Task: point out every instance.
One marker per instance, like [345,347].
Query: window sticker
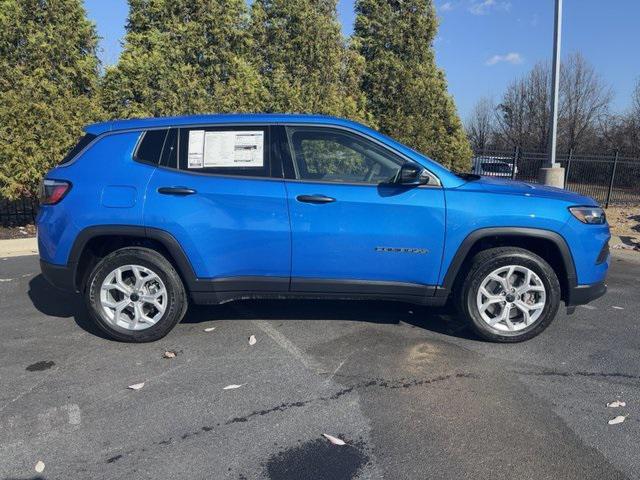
[240,149]
[196,149]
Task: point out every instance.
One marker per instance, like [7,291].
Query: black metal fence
[610,179]
[15,213]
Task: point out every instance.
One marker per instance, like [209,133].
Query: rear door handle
[315,199]
[176,191]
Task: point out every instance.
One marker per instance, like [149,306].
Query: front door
[353,230]
[217,192]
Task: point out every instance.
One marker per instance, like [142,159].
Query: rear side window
[82,143]
[150,147]
[237,150]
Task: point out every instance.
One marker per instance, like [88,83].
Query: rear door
[221,195]
[352,229]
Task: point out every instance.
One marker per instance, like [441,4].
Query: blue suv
[144,216]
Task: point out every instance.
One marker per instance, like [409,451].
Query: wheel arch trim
[185,269]
[505,232]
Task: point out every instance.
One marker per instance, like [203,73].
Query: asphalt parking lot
[411,391]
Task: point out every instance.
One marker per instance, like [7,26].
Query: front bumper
[582,294]
[60,276]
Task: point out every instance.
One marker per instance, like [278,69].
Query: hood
[511,187]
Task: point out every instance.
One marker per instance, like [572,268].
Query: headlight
[592,215]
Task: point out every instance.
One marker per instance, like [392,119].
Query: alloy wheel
[511,298]
[133,297]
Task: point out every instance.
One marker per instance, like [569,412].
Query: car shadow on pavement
[57,303]
[436,319]
[25,478]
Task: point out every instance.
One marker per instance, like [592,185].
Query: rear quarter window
[150,147]
[84,141]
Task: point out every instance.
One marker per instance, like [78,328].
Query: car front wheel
[509,294]
[135,295]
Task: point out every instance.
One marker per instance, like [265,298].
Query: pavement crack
[280,408]
[560,373]
[369,383]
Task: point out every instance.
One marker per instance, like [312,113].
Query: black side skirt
[211,292]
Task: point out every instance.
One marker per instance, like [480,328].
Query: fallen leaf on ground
[40,466]
[623,246]
[136,386]
[252,340]
[618,419]
[616,404]
[169,354]
[209,329]
[334,440]
[232,386]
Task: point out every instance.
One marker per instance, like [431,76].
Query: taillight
[52,191]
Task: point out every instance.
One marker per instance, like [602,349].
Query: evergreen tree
[406,93]
[48,80]
[304,59]
[183,56]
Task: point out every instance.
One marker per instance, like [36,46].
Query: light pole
[552,173]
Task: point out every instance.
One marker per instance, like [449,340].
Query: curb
[18,247]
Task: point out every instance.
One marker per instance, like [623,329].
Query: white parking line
[17,278]
[588,307]
[73,409]
[286,344]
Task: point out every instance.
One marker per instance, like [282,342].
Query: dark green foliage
[183,56]
[187,56]
[304,60]
[48,80]
[406,92]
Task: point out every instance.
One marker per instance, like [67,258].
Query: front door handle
[176,191]
[315,199]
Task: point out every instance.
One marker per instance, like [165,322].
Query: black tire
[177,301]
[490,260]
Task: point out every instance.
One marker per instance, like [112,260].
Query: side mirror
[412,174]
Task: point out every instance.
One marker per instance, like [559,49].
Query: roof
[274,118]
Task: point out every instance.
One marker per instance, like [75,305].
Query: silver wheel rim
[511,298]
[133,297]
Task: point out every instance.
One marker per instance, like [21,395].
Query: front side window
[331,155]
[224,151]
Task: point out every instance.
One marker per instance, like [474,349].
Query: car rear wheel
[509,294]
[135,295]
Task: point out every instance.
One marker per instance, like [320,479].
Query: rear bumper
[60,276]
[582,294]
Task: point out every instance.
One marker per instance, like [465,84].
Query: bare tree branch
[480,125]
[584,100]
